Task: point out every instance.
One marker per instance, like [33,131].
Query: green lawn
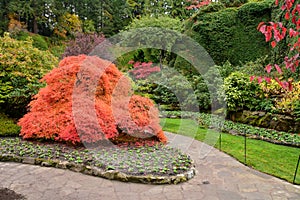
[277,160]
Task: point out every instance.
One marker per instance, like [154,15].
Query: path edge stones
[108,174]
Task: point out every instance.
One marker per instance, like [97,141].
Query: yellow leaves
[284,99]
[68,24]
[21,67]
[14,25]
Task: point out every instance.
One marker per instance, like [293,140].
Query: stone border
[95,171]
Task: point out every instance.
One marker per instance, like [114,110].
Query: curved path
[219,177]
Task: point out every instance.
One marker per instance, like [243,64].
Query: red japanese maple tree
[142,70]
[277,31]
[56,113]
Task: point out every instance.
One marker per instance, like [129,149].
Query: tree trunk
[35,26]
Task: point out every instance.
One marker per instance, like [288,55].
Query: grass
[273,159]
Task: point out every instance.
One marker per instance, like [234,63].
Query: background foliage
[22,66]
[230,33]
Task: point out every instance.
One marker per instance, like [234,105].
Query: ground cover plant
[157,160]
[204,120]
[8,127]
[273,159]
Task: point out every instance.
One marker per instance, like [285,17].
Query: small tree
[147,26]
[83,43]
[122,118]
[68,24]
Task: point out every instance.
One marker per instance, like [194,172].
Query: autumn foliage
[276,32]
[142,70]
[87,100]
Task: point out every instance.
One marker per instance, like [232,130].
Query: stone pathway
[219,177]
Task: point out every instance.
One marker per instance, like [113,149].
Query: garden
[63,105]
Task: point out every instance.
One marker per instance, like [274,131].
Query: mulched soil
[7,194]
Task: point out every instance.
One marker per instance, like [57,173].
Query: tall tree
[34,13]
[3,15]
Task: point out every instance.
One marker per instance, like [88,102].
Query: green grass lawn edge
[277,160]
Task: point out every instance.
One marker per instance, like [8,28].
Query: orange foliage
[14,25]
[87,99]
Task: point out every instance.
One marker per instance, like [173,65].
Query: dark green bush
[297,110]
[38,41]
[231,34]
[8,127]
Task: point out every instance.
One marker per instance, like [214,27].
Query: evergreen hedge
[231,33]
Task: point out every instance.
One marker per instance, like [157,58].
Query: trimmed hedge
[230,33]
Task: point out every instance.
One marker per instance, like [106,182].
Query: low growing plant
[8,127]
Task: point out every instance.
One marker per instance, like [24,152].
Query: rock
[88,170]
[121,177]
[76,167]
[109,174]
[97,171]
[179,178]
[266,120]
[46,164]
[190,174]
[28,160]
[62,164]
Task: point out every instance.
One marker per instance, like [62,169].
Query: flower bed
[158,164]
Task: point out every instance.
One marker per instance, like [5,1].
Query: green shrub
[231,34]
[38,41]
[21,66]
[256,67]
[240,93]
[206,87]
[297,110]
[233,3]
[8,127]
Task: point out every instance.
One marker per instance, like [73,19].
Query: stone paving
[219,177]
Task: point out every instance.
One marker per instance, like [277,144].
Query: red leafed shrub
[83,43]
[143,70]
[286,31]
[87,99]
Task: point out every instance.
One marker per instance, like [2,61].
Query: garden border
[200,118]
[95,171]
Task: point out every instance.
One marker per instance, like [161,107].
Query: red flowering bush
[87,99]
